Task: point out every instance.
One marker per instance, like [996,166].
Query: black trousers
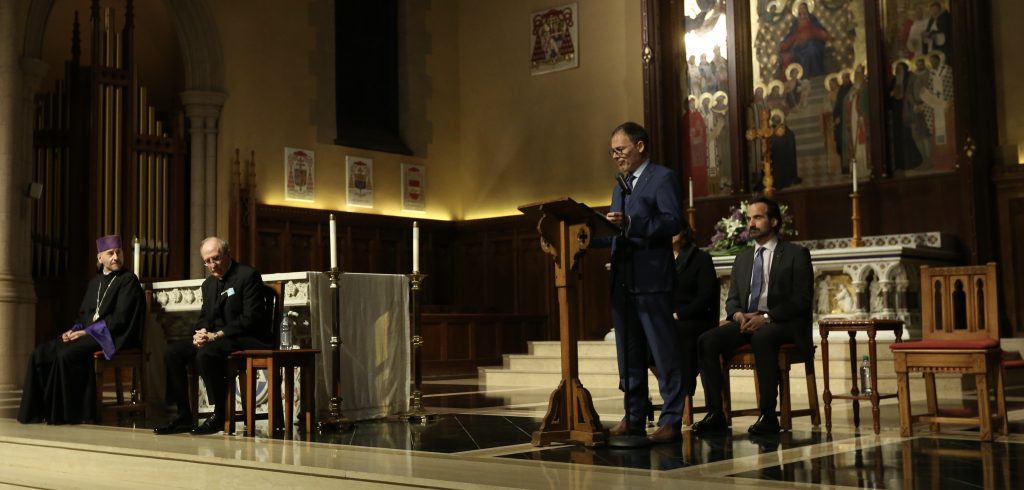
[723,341]
[210,360]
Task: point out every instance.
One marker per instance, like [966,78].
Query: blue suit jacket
[654,217]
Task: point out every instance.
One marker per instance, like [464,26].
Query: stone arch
[201,51]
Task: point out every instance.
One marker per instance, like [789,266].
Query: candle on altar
[136,256]
[853,165]
[691,192]
[415,247]
[334,243]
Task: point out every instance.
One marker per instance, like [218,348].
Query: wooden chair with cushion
[246,363]
[133,358]
[789,354]
[960,335]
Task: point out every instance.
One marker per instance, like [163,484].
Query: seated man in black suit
[769,304]
[234,317]
[695,300]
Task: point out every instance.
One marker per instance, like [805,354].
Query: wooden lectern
[566,229]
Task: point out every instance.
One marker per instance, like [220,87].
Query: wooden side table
[851,326]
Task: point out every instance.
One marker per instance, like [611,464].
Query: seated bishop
[60,384]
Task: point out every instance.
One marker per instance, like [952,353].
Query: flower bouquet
[732,235]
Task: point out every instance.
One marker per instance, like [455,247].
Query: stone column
[203,111]
[19,77]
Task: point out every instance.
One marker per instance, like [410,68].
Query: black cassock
[60,384]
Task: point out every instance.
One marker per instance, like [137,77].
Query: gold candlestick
[691,216]
[855,219]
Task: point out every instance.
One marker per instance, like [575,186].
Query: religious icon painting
[704,86]
[359,176]
[920,121]
[554,40]
[413,187]
[299,179]
[810,78]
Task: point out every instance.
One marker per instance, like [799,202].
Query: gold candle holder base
[856,241]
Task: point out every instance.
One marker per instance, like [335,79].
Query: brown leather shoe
[620,430]
[624,428]
[667,433]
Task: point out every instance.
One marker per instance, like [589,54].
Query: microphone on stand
[621,179]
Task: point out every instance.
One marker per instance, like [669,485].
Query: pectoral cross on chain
[765,132]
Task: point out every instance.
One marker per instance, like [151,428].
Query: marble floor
[479,436]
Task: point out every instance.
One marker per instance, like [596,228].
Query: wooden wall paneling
[361,250]
[270,242]
[501,286]
[433,351]
[459,341]
[296,256]
[472,272]
[487,340]
[387,257]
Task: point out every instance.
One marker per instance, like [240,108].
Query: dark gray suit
[790,297]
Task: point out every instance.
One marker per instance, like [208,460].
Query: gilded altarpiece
[807,63]
[810,73]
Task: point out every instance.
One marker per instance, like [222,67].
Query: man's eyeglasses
[618,151]
[216,259]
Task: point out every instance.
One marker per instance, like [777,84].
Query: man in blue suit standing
[642,275]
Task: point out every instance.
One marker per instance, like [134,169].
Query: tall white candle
[853,165]
[415,247]
[334,243]
[136,256]
[691,192]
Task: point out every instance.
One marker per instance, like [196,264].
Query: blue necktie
[756,280]
[631,180]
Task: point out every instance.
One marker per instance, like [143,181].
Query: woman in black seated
[695,297]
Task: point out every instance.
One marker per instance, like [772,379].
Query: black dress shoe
[765,425]
[712,422]
[176,425]
[212,425]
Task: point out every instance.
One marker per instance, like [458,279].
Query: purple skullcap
[108,242]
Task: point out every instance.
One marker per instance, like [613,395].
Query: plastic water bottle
[865,376]
[286,331]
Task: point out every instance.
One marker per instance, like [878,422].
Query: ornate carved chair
[246,363]
[133,358]
[960,335]
[789,354]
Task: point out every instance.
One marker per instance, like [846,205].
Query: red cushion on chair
[946,344]
[1015,363]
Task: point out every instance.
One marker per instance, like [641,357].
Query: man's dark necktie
[631,180]
[756,280]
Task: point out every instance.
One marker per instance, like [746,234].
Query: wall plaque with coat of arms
[554,40]
[299,179]
[359,176]
[413,187]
